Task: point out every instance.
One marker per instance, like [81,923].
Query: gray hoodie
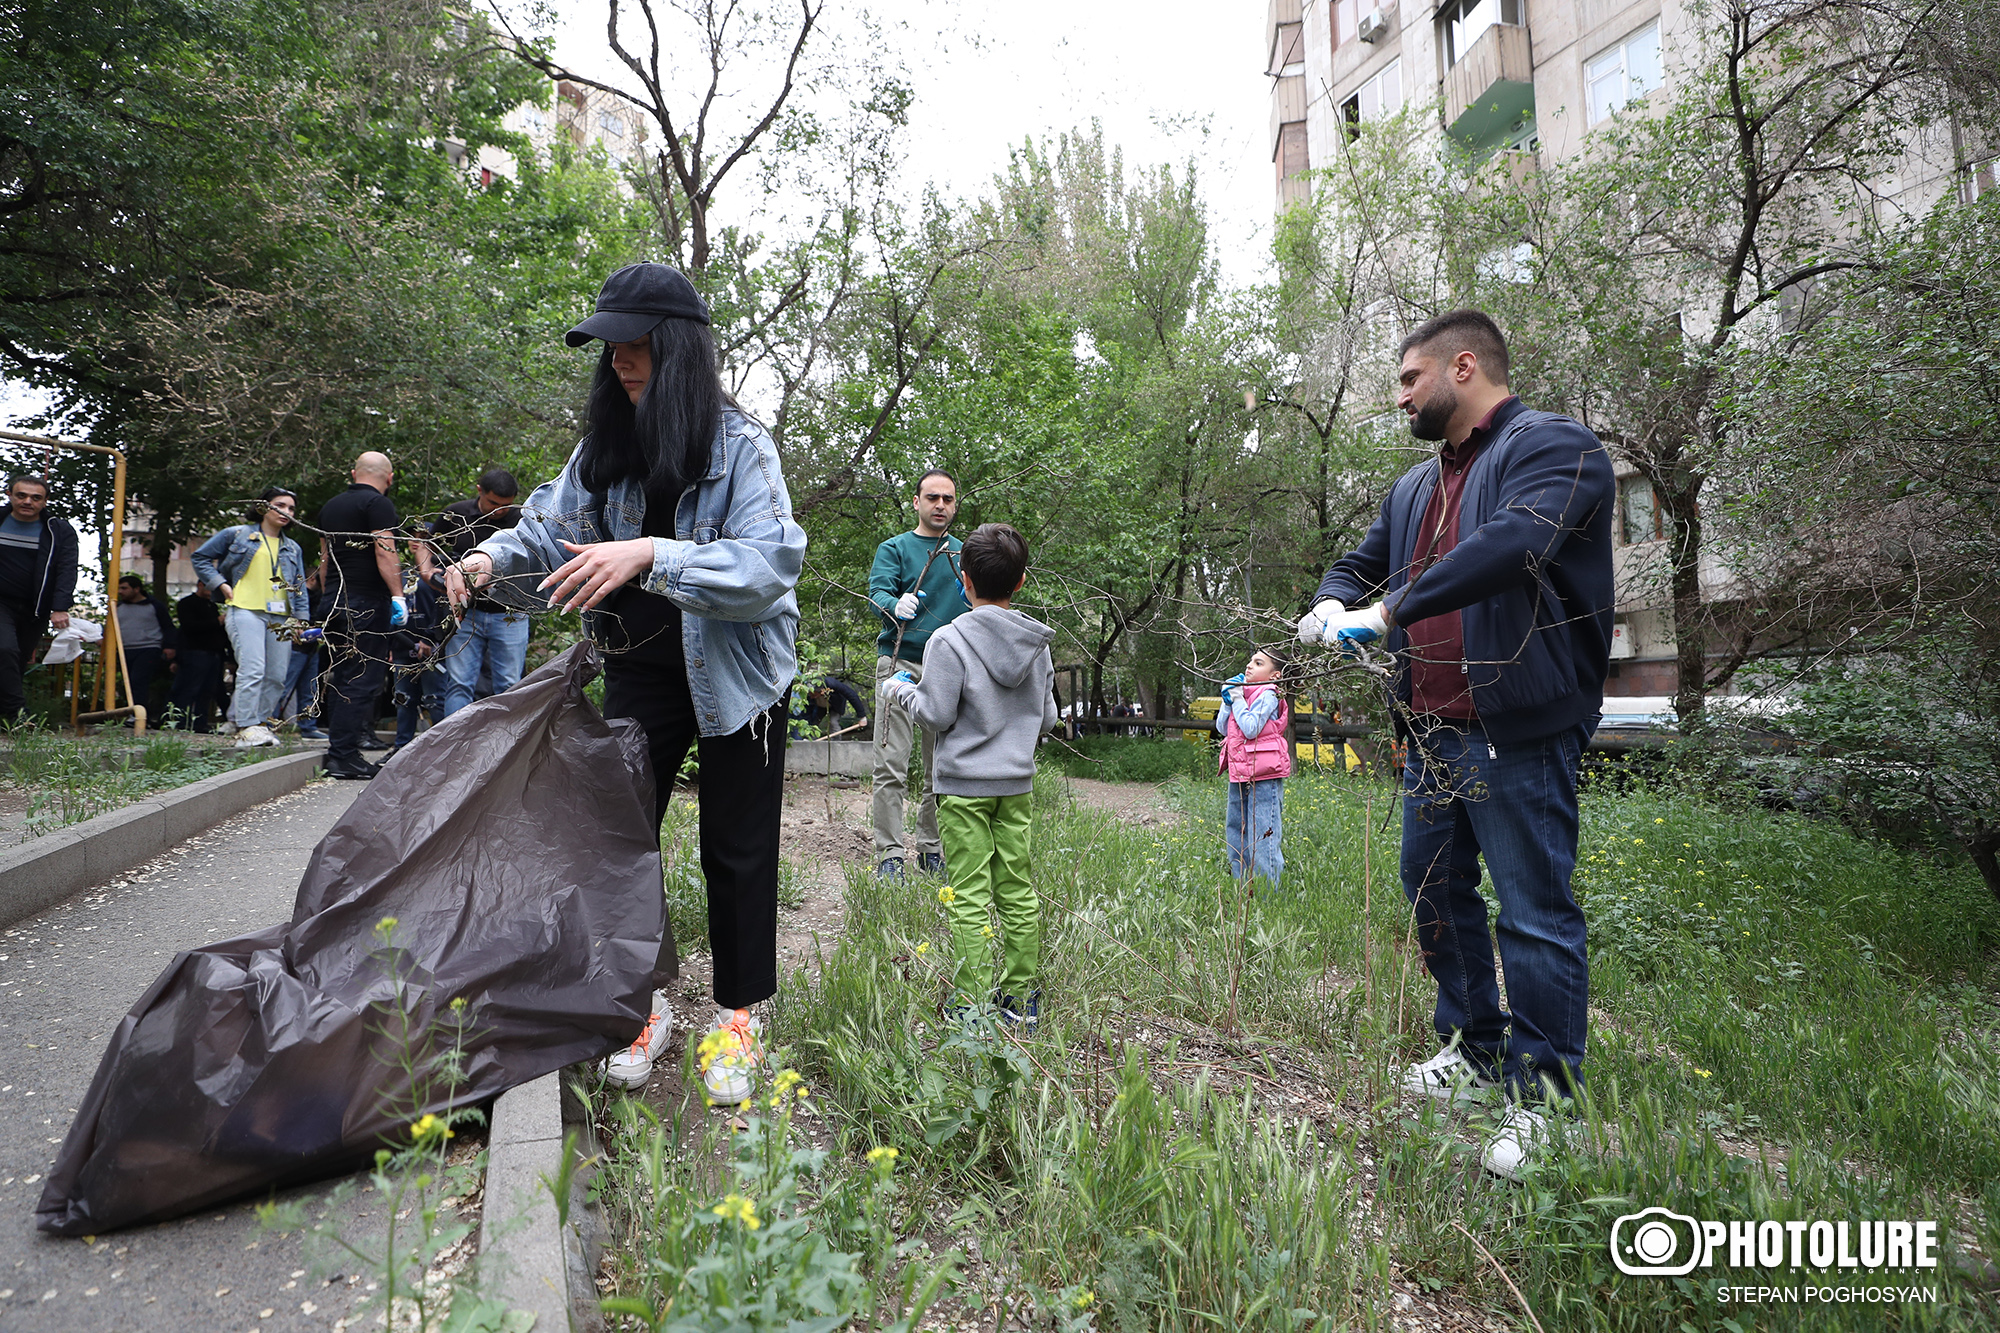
[988,693]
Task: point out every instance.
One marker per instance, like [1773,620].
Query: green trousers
[987,844]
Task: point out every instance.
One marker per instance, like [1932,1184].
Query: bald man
[361,573]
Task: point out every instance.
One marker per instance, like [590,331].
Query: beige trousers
[895,731]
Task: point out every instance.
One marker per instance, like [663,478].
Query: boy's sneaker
[309,730]
[254,737]
[932,863]
[1510,1153]
[1449,1077]
[631,1067]
[730,1055]
[1023,1015]
[891,869]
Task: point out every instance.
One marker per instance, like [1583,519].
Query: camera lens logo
[1655,1242]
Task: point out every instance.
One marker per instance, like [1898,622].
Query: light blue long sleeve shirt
[1250,717]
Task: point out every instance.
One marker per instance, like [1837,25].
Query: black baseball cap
[634,301]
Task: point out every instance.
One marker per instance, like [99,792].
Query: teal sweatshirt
[898,561]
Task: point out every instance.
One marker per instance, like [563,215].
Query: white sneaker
[1449,1077]
[255,736]
[1523,1134]
[730,1055]
[631,1067]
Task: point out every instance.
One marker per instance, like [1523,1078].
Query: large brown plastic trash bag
[514,844]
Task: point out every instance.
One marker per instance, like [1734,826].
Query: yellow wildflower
[736,1208]
[923,948]
[945,895]
[429,1129]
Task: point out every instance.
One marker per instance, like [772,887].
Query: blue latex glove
[904,677]
[399,613]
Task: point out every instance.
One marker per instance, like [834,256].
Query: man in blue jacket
[1488,576]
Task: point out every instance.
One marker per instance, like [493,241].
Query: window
[1640,516]
[1626,72]
[1381,95]
[612,126]
[1288,49]
[1346,15]
[1460,23]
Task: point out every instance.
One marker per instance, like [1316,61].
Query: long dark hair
[664,440]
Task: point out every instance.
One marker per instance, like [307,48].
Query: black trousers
[357,632]
[20,634]
[144,664]
[742,802]
[197,682]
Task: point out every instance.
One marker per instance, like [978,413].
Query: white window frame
[1609,85]
[1367,102]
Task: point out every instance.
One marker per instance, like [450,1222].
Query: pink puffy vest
[1269,755]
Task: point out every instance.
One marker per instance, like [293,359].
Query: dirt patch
[1143,804]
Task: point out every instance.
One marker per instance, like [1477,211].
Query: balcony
[1491,91]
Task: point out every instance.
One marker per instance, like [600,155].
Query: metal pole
[114,648]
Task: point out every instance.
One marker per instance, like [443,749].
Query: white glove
[906,606]
[1351,631]
[399,613]
[1312,625]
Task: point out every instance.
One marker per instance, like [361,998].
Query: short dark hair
[499,481]
[938,472]
[1470,331]
[30,478]
[133,579]
[1280,657]
[254,511]
[994,559]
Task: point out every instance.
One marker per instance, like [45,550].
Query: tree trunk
[1985,853]
[1690,627]
[162,552]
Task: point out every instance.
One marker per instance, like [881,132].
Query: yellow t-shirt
[259,586]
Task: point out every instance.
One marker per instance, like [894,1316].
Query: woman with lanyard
[258,575]
[671,529]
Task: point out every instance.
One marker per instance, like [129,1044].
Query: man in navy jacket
[37,582]
[1488,576]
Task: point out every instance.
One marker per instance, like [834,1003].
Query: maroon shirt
[1439,685]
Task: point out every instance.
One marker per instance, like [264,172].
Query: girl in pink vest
[1257,756]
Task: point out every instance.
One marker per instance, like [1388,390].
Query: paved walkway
[66,978]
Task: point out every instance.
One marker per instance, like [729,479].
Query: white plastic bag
[69,641]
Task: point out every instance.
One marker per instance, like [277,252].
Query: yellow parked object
[1329,755]
[1207,708]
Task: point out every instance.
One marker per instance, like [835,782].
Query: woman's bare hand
[597,571]
[465,578]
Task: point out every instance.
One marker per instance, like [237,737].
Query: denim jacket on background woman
[731,566]
[224,557]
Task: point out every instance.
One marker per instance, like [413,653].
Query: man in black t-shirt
[490,635]
[198,666]
[364,580]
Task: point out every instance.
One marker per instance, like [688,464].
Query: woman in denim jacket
[257,575]
[671,529]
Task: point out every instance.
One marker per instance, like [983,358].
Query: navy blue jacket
[1531,573]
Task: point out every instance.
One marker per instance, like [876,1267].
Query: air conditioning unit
[1374,26]
[1621,640]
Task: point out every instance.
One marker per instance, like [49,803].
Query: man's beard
[1431,419]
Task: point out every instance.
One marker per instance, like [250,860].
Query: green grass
[1790,1022]
[67,780]
[1132,758]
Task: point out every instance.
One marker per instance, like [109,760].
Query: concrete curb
[844,759]
[527,1257]
[37,875]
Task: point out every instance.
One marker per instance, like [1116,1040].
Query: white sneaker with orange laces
[631,1067]
[730,1055]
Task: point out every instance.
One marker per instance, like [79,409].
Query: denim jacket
[731,566]
[223,558]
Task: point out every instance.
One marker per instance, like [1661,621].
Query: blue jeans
[414,691]
[1464,795]
[262,659]
[301,694]
[1255,828]
[499,640]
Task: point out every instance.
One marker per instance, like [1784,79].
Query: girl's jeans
[1256,829]
[262,658]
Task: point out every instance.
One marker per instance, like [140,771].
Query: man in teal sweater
[915,584]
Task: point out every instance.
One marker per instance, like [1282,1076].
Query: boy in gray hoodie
[988,695]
